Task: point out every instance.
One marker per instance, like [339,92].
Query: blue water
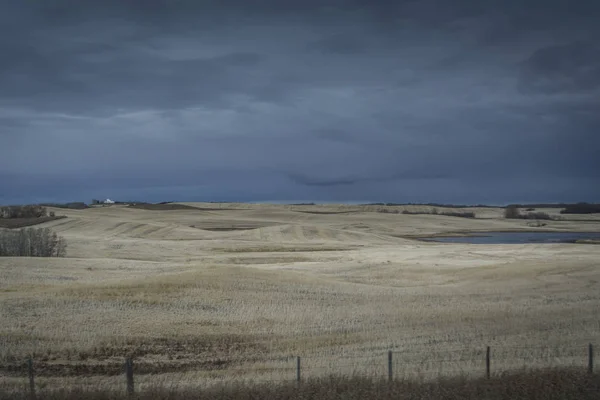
[519,237]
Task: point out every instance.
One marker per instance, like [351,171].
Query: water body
[519,237]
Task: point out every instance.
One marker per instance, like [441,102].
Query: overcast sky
[468,101]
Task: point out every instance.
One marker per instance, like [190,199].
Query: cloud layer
[474,101]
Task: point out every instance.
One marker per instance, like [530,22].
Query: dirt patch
[15,223]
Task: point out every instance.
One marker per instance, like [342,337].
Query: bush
[388,211]
[32,242]
[512,212]
[537,215]
[467,214]
[536,224]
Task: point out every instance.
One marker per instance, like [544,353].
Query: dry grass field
[13,223]
[223,292]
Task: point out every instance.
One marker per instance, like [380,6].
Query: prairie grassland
[564,384]
[339,288]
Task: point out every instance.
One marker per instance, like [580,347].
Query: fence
[484,362]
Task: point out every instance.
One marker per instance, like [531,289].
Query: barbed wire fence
[392,365]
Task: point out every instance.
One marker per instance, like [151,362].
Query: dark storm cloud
[572,67]
[353,180]
[408,100]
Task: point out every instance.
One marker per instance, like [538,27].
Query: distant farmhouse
[96,202]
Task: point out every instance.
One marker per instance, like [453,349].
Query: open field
[15,223]
[215,292]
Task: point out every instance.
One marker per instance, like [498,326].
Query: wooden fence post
[591,359]
[298,375]
[390,367]
[129,375]
[487,362]
[31,378]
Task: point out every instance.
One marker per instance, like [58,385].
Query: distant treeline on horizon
[567,208]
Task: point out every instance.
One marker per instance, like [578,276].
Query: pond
[518,237]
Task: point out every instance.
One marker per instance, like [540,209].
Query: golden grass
[193,305]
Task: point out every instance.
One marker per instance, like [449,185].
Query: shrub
[537,215]
[388,211]
[536,224]
[32,242]
[467,214]
[512,212]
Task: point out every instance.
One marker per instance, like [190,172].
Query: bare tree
[512,212]
[32,242]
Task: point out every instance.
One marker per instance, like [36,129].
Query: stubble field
[224,292]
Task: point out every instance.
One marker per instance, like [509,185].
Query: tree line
[28,211]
